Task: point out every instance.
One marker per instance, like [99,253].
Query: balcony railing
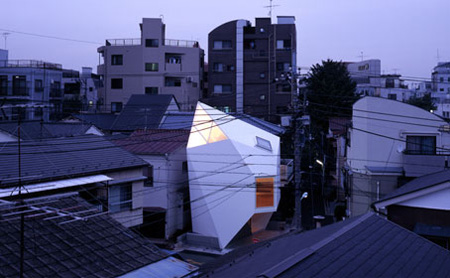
[123,42]
[29,64]
[181,43]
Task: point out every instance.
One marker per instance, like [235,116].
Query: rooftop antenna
[362,56]
[271,6]
[5,36]
[438,58]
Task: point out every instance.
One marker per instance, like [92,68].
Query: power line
[50,37]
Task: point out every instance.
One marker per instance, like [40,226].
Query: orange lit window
[264,192]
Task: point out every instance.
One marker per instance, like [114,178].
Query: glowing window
[204,130]
[264,192]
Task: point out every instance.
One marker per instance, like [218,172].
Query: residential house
[150,65]
[32,89]
[103,173]
[234,177]
[244,61]
[421,206]
[366,246]
[390,143]
[65,236]
[166,196]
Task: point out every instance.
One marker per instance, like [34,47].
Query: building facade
[29,89]
[151,64]
[244,62]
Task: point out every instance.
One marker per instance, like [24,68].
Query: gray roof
[62,158]
[365,246]
[32,130]
[142,112]
[419,183]
[96,246]
[262,124]
[101,120]
[177,120]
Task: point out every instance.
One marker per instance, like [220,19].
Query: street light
[304,196]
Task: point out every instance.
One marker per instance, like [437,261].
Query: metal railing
[123,42]
[181,43]
[29,64]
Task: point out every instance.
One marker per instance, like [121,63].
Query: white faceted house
[234,176]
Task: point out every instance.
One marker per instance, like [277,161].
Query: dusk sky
[406,35]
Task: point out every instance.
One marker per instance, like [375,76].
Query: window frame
[151,67]
[125,197]
[416,145]
[116,60]
[265,192]
[151,43]
[115,85]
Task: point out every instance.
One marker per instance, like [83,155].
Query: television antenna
[270,7]
[5,36]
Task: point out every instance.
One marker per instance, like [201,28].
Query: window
[91,89]
[120,197]
[148,172]
[151,90]
[151,43]
[151,66]
[116,83]
[421,145]
[184,167]
[249,44]
[263,143]
[116,107]
[264,192]
[172,82]
[285,87]
[38,85]
[218,67]
[3,84]
[283,44]
[283,66]
[441,79]
[20,85]
[262,75]
[38,112]
[225,88]
[173,58]
[116,60]
[392,96]
[230,68]
[222,44]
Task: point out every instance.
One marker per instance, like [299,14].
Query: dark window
[285,87]
[151,90]
[20,85]
[38,85]
[421,145]
[230,68]
[151,66]
[226,44]
[390,83]
[282,110]
[151,43]
[148,172]
[116,83]
[283,66]
[91,89]
[3,84]
[172,82]
[184,167]
[116,60]
[120,197]
[116,107]
[283,44]
[218,67]
[392,96]
[173,58]
[249,44]
[38,112]
[223,88]
[441,79]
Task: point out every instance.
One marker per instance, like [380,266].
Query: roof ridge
[304,253]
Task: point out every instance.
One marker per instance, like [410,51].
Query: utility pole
[22,215]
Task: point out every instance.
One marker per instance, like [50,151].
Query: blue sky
[405,35]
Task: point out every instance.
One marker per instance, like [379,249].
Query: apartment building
[244,62]
[30,89]
[151,64]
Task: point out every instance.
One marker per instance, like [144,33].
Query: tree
[331,93]
[424,102]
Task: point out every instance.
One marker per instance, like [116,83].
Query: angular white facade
[234,175]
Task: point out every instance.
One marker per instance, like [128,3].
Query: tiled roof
[62,158]
[142,111]
[366,246]
[96,246]
[419,183]
[36,130]
[155,141]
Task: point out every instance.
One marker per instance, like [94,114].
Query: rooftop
[29,64]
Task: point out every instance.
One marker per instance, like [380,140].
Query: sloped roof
[177,120]
[103,121]
[366,246]
[418,184]
[155,141]
[96,246]
[62,158]
[31,130]
[262,124]
[141,112]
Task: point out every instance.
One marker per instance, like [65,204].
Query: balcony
[416,165]
[181,43]
[286,171]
